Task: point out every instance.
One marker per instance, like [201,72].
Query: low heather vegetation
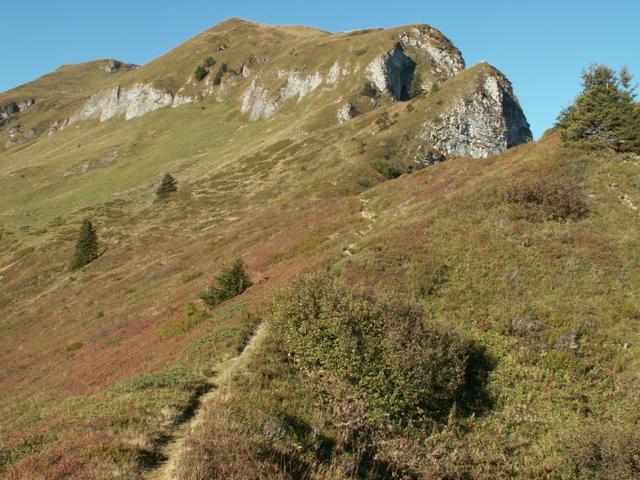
[538,200]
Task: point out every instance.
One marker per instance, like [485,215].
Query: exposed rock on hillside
[487,122]
[259,104]
[133,101]
[392,73]
[116,66]
[446,59]
[347,112]
[8,110]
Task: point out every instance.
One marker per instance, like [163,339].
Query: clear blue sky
[541,45]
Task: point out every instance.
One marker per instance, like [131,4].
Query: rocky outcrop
[9,110]
[347,112]
[133,101]
[392,73]
[114,66]
[446,59]
[338,71]
[17,136]
[257,101]
[485,123]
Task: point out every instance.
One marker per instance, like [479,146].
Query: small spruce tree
[232,281]
[86,246]
[604,115]
[167,187]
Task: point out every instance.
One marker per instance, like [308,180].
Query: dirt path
[172,450]
[369,217]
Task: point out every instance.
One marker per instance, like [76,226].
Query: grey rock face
[446,59]
[9,110]
[392,73]
[487,123]
[257,101]
[116,65]
[133,101]
[347,112]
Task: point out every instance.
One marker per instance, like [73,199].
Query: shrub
[386,168]
[200,73]
[603,451]
[427,277]
[364,182]
[222,69]
[369,90]
[209,62]
[86,246]
[604,114]
[382,348]
[232,281]
[384,121]
[544,199]
[167,186]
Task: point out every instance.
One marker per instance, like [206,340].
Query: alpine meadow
[276,252]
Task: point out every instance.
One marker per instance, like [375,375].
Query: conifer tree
[604,115]
[86,246]
[200,72]
[232,281]
[168,185]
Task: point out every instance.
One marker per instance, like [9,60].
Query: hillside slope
[296,157]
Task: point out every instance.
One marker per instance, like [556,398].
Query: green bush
[387,169]
[200,73]
[369,90]
[605,114]
[232,281]
[364,182]
[222,69]
[382,348]
[209,62]
[384,121]
[538,200]
[427,277]
[86,246]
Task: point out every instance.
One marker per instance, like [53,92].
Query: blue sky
[541,45]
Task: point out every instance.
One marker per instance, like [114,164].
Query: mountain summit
[305,74]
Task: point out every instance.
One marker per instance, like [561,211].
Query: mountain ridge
[517,261]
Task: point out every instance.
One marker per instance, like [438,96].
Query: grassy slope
[286,195]
[546,402]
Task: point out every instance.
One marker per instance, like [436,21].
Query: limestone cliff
[484,122]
